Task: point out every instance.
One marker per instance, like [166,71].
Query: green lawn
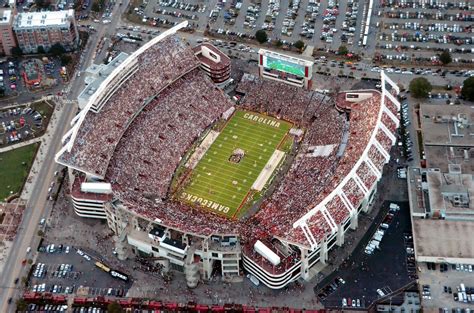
[12,170]
[220,185]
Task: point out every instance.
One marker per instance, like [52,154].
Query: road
[37,205]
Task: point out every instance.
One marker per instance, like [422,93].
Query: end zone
[268,170]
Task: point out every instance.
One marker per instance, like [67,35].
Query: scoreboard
[285,68]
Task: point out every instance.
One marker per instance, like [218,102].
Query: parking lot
[417,31]
[24,122]
[370,276]
[444,285]
[284,20]
[29,75]
[10,80]
[63,270]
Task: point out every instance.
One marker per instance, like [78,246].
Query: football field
[222,179]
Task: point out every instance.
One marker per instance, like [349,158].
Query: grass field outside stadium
[220,182]
[14,168]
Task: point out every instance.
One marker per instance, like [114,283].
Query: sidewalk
[45,141]
[21,144]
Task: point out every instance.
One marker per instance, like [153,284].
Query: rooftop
[43,19]
[451,192]
[443,157]
[5,16]
[216,60]
[447,125]
[419,201]
[98,74]
[443,238]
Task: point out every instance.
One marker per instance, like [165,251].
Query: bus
[102,267]
[119,275]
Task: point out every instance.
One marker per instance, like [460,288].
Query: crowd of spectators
[287,261]
[162,133]
[311,178]
[158,67]
[376,157]
[366,175]
[391,106]
[387,121]
[383,139]
[353,193]
[291,103]
[337,210]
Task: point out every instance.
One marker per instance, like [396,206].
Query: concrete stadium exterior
[179,248]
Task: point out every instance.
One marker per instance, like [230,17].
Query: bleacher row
[291,200]
[99,133]
[280,100]
[366,175]
[162,133]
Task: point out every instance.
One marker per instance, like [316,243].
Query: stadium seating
[337,210]
[101,132]
[366,175]
[162,133]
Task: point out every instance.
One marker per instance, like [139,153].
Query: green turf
[13,171]
[226,183]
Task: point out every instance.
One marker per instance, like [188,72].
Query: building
[7,37]
[213,62]
[441,195]
[440,241]
[44,29]
[284,68]
[447,136]
[124,147]
[95,75]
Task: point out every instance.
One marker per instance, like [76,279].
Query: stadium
[187,177]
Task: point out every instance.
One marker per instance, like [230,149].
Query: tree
[42,4]
[420,87]
[95,7]
[16,51]
[57,49]
[114,307]
[40,233]
[40,50]
[445,57]
[21,305]
[467,91]
[261,36]
[299,45]
[342,50]
[278,43]
[65,59]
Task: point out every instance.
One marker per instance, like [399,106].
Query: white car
[88,258]
[80,252]
[67,249]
